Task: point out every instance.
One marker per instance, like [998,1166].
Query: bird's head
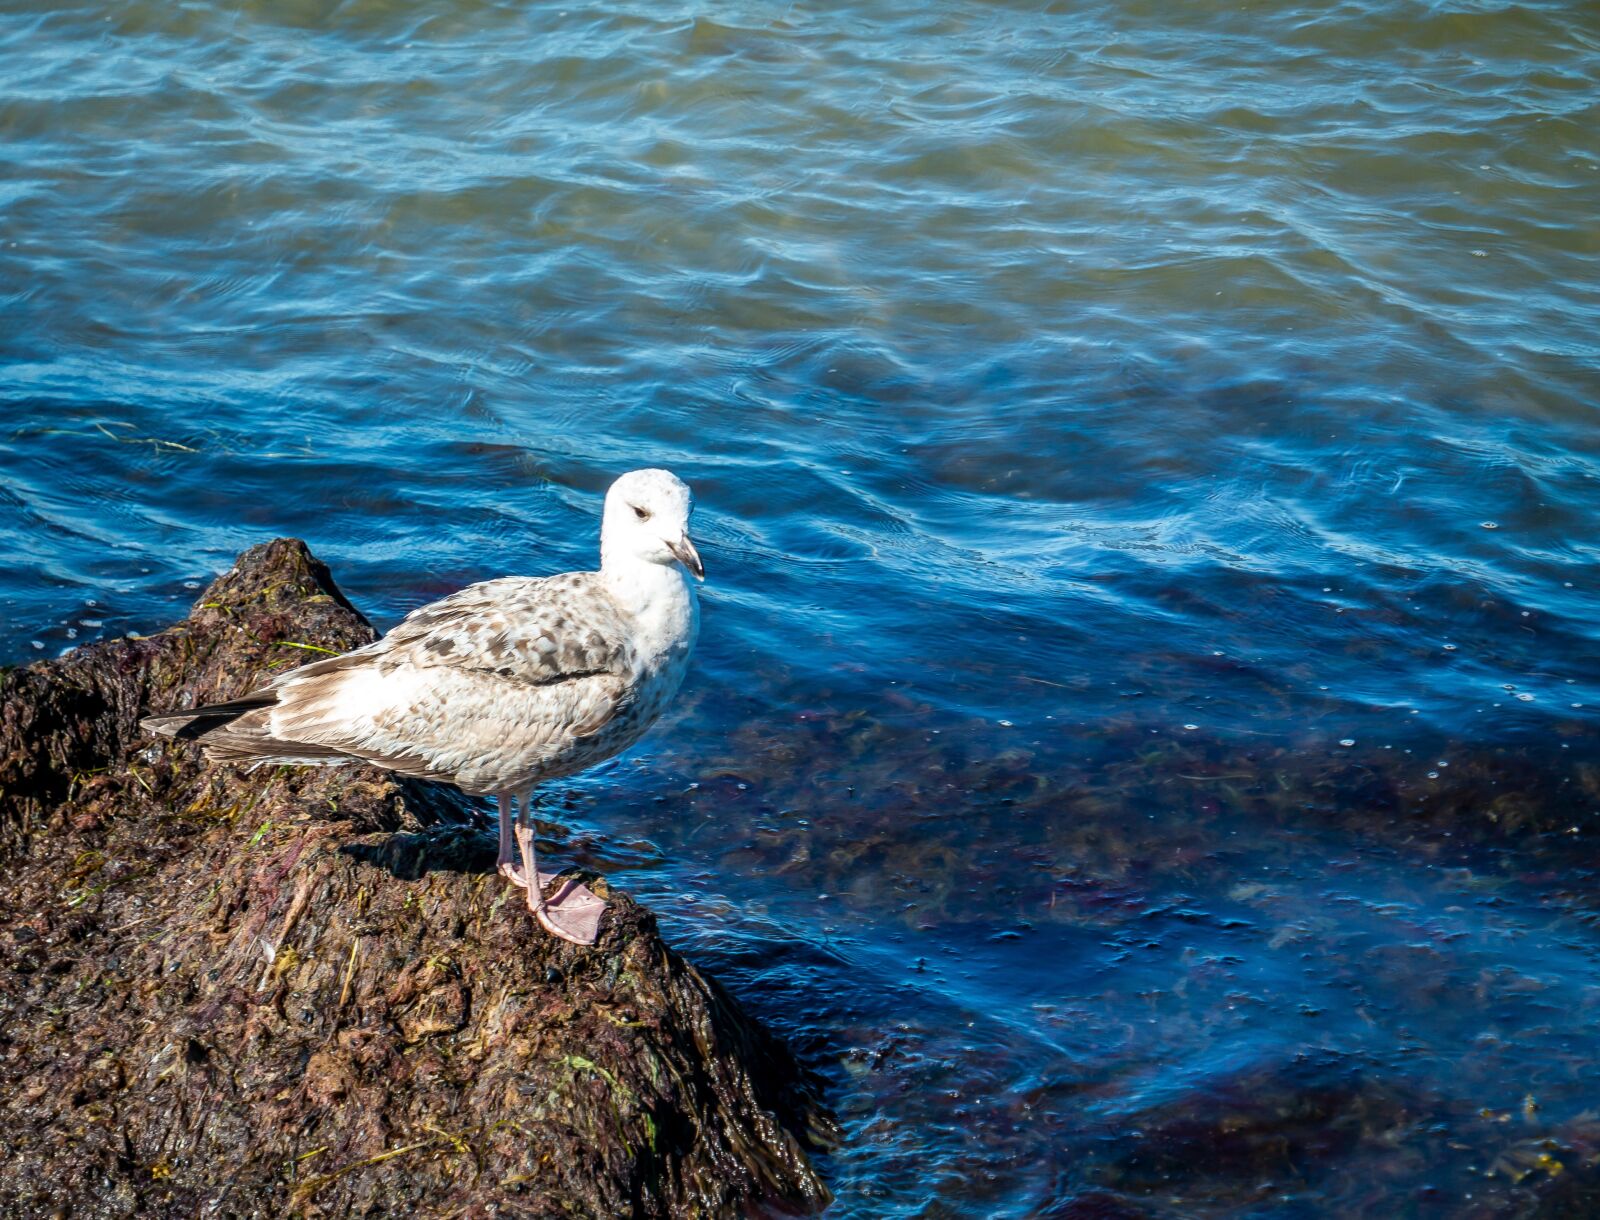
[647,519]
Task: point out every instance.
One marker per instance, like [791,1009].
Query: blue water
[1142,748]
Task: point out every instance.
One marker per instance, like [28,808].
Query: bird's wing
[536,632]
[508,668]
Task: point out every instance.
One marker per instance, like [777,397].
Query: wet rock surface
[305,992]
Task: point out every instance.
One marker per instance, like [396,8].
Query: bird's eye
[642,513]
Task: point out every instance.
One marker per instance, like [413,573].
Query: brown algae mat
[305,992]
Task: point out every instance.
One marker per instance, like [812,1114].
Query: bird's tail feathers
[202,721]
[238,732]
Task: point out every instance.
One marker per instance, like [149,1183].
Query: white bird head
[647,520]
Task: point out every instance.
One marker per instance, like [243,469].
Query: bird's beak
[683,550]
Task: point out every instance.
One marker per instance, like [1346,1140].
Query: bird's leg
[573,911]
[506,863]
[524,821]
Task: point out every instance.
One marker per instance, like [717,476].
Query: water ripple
[1142,741]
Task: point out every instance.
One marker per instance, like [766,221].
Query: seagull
[500,687]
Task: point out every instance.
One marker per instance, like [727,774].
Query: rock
[301,991]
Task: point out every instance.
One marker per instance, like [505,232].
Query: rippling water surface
[1143,745]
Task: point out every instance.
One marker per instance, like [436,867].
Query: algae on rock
[302,991]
